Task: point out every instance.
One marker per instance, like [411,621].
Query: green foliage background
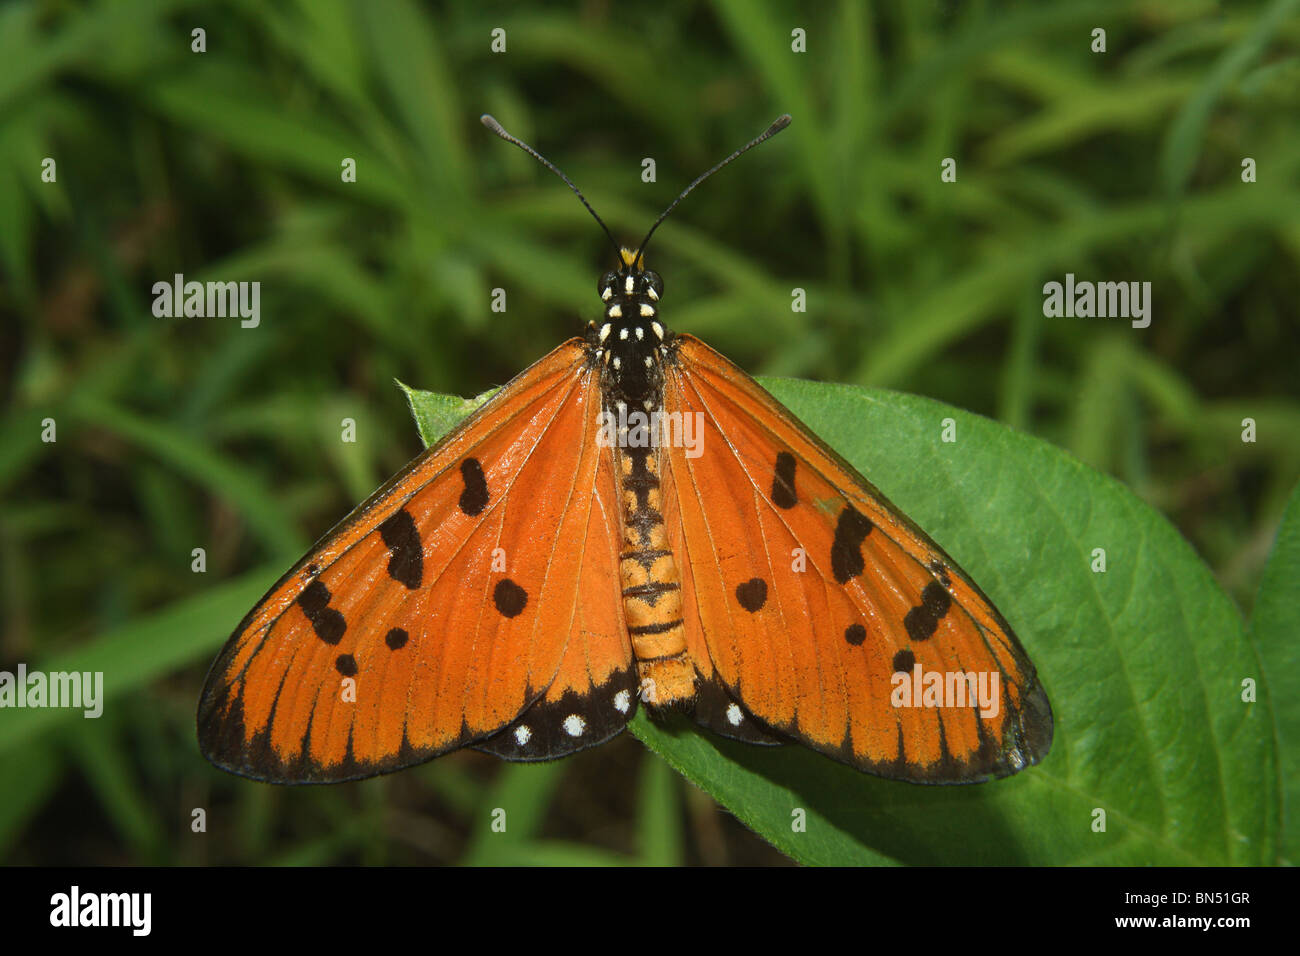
[183,433]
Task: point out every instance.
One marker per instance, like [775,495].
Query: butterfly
[632,521]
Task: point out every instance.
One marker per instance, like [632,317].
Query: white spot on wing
[622,700]
[734,716]
[522,734]
[574,725]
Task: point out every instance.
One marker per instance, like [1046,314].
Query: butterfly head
[631,282]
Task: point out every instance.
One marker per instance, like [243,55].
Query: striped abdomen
[652,585]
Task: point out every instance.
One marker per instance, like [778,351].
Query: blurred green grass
[183,433]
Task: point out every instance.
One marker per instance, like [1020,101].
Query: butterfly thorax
[630,341]
[630,344]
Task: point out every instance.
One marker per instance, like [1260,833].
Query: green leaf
[435,414]
[1142,663]
[1274,626]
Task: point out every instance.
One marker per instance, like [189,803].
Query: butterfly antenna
[488,120]
[781,123]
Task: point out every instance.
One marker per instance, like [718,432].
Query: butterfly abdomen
[652,584]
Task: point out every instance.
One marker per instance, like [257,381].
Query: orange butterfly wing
[462,600]
[594,694]
[812,653]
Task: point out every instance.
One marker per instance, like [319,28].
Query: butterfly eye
[608,281]
[654,282]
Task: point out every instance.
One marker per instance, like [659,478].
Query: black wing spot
[920,624]
[922,621]
[475,496]
[936,599]
[325,621]
[314,598]
[855,634]
[329,625]
[399,534]
[346,665]
[846,551]
[396,639]
[510,598]
[752,595]
[783,493]
[904,661]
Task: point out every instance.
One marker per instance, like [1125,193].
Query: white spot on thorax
[607,293]
[622,334]
[640,333]
[617,363]
[734,715]
[615,311]
[522,734]
[652,293]
[622,700]
[648,361]
[628,285]
[574,725]
[647,310]
[604,331]
[658,329]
